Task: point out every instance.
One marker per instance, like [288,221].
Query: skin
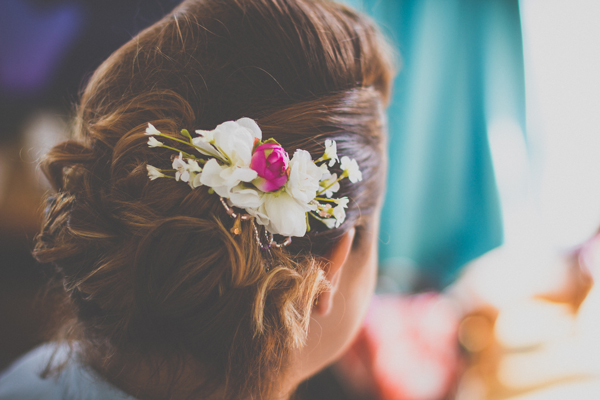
[339,313]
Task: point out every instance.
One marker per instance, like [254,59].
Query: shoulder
[23,380]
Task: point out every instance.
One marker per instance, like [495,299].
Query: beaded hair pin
[258,176]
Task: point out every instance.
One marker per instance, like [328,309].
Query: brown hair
[150,266]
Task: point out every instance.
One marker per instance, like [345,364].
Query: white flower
[233,141]
[193,166]
[281,214]
[182,169]
[223,178]
[206,136]
[339,213]
[154,173]
[204,143]
[194,169]
[330,223]
[329,184]
[342,201]
[195,181]
[152,142]
[303,182]
[245,197]
[351,170]
[151,130]
[330,152]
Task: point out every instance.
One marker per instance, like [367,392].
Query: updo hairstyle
[150,268]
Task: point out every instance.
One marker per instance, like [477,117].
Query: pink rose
[271,162]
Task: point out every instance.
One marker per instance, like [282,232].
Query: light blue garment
[22,380]
[461,70]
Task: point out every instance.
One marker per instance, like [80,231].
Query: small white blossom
[351,169]
[152,142]
[194,170]
[330,223]
[206,136]
[342,201]
[303,182]
[330,185]
[204,142]
[151,130]
[339,213]
[330,152]
[193,166]
[182,169]
[154,173]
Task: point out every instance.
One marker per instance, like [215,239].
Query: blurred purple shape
[33,41]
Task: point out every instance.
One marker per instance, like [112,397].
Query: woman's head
[150,267]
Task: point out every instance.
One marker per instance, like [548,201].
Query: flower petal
[287,217]
[211,177]
[252,126]
[243,175]
[245,197]
[195,182]
[152,142]
[236,142]
[204,147]
[151,130]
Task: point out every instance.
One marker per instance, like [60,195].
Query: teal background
[461,67]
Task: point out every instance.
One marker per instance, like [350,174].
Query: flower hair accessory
[258,176]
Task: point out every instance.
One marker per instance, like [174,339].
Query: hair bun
[151,266]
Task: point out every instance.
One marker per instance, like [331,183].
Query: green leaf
[271,140]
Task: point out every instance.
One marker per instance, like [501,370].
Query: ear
[336,257]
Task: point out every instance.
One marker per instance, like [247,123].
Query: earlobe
[337,258]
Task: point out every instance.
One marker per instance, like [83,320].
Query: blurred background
[489,245]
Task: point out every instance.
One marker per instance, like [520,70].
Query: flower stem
[228,160]
[187,155]
[315,216]
[325,199]
[342,176]
[177,140]
[194,146]
[312,214]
